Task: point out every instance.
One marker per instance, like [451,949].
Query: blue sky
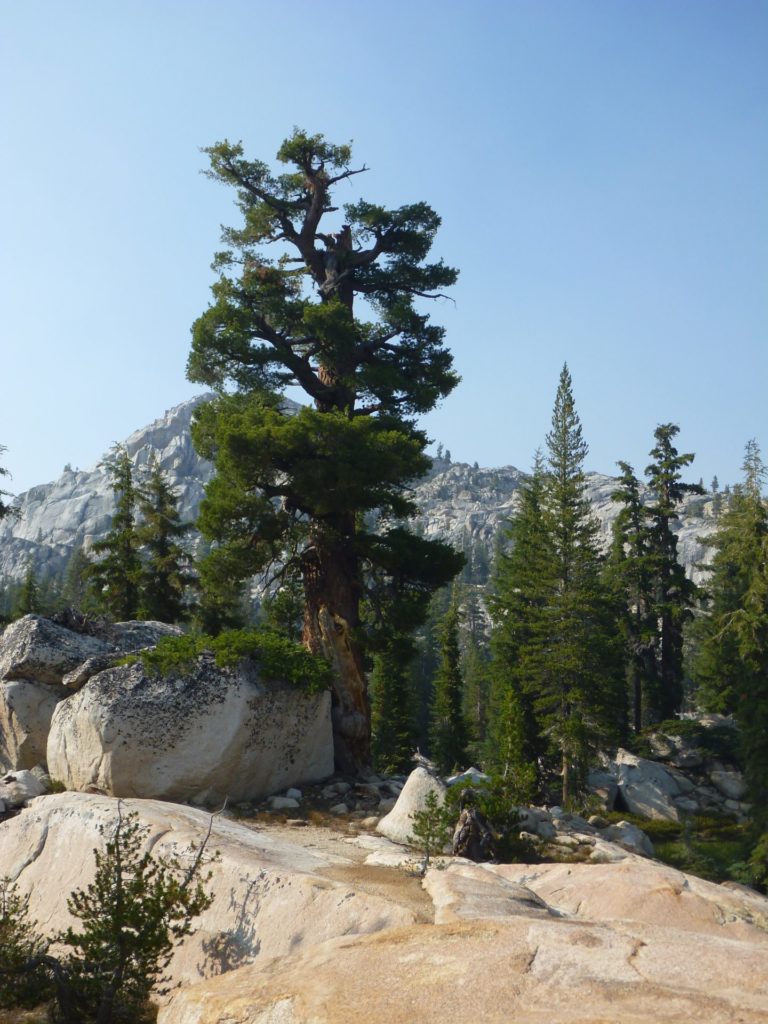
[600,168]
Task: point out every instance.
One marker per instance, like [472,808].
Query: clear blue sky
[601,167]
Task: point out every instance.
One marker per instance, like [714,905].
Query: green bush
[278,657]
[137,909]
[432,829]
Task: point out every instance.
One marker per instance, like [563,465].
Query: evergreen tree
[674,593]
[28,600]
[629,574]
[75,591]
[720,671]
[393,717]
[115,578]
[165,568]
[5,508]
[300,485]
[581,705]
[448,733]
[283,611]
[522,587]
[555,637]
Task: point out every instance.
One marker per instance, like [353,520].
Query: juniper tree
[115,577]
[334,313]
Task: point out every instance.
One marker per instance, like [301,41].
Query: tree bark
[331,618]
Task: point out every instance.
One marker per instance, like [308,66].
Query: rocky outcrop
[398,824]
[517,943]
[36,648]
[26,710]
[465,505]
[296,935]
[271,895]
[205,734]
[696,773]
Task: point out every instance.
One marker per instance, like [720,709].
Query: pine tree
[5,509]
[581,705]
[629,574]
[165,569]
[721,674]
[28,600]
[298,486]
[75,589]
[523,583]
[393,712]
[674,593]
[448,737]
[115,578]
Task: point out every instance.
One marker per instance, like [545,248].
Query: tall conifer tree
[674,593]
[448,737]
[333,314]
[115,577]
[165,569]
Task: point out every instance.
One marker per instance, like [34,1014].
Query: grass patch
[704,845]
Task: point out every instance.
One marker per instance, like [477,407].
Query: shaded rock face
[464,505]
[36,648]
[26,710]
[206,735]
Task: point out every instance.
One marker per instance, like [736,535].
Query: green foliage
[498,799]
[296,487]
[21,984]
[165,565]
[448,733]
[130,918]
[115,577]
[558,686]
[279,658]
[5,508]
[432,828]
[393,716]
[28,600]
[732,666]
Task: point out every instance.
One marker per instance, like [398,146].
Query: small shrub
[432,828]
[278,657]
[21,983]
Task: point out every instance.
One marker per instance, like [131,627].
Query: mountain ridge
[465,504]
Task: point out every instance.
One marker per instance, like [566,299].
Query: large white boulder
[648,788]
[36,648]
[203,735]
[398,824]
[271,895]
[26,709]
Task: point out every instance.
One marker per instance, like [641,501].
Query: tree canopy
[331,309]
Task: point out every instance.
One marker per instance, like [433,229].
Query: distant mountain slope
[466,505]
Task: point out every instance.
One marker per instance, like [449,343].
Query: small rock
[293,794]
[386,805]
[283,803]
[596,821]
[370,822]
[296,822]
[730,784]
[339,809]
[18,787]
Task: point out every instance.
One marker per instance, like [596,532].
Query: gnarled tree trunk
[331,618]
